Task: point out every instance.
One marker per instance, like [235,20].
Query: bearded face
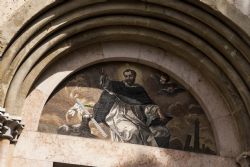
[129,77]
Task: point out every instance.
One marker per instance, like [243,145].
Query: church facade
[125,83]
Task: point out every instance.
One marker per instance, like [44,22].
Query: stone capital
[10,126]
[244,159]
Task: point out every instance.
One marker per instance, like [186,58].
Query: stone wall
[9,8]
[236,10]
[221,5]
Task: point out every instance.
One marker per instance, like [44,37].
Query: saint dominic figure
[130,113]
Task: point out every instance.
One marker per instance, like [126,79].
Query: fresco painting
[131,103]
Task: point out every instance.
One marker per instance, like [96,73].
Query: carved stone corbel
[10,127]
[244,159]
[3,118]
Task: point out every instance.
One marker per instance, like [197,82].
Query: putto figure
[168,87]
[129,111]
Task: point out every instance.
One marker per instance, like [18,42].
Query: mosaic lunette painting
[128,102]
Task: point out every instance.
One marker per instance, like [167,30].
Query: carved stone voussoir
[10,126]
[244,159]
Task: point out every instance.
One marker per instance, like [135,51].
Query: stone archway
[124,51]
[217,113]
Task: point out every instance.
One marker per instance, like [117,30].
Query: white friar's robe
[126,127]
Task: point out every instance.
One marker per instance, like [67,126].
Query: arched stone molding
[187,29]
[208,97]
[24,12]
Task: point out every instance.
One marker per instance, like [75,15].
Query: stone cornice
[10,126]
